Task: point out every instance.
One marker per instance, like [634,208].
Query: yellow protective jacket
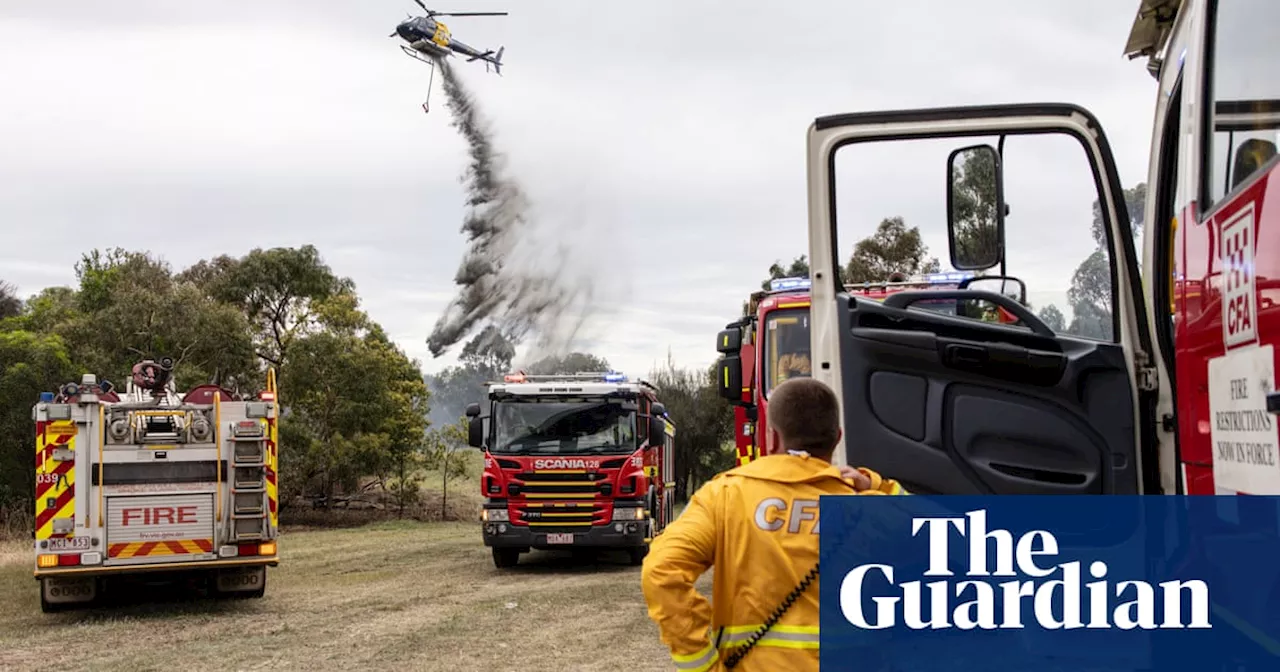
[756,525]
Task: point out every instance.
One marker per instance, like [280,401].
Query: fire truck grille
[559,488]
[548,485]
[550,518]
[553,477]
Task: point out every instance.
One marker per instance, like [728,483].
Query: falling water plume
[506,276]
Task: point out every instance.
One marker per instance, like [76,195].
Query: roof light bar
[949,278]
[783,284]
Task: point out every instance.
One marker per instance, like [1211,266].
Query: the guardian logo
[987,604]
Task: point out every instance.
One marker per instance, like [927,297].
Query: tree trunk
[444,489]
[401,486]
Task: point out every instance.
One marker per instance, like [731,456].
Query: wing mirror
[975,208]
[657,426]
[729,378]
[729,341]
[475,427]
[998,284]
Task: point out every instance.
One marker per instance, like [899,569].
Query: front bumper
[595,536]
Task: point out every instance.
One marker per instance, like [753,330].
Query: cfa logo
[1000,605]
[772,513]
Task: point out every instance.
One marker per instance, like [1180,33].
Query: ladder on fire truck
[249,464]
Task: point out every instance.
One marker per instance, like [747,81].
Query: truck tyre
[506,557]
[48,607]
[638,554]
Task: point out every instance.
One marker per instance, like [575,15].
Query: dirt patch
[420,596]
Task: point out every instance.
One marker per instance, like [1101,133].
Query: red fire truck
[780,348]
[573,461]
[154,482]
[1182,398]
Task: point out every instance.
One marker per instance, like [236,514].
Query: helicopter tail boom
[496,60]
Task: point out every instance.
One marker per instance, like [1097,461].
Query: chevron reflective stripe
[697,662]
[781,636]
[272,469]
[55,479]
[139,549]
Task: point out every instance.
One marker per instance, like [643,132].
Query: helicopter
[429,40]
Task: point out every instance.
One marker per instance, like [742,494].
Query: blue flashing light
[951,278]
[615,377]
[782,284]
[46,397]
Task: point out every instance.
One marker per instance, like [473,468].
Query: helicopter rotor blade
[424,7]
[470,14]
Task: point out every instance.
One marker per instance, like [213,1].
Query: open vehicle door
[953,405]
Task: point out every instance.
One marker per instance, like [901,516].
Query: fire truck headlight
[630,513]
[495,515]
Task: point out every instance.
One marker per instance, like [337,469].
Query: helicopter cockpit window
[786,347]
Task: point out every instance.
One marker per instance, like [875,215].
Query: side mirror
[975,208]
[729,341]
[475,432]
[729,378]
[657,428]
[473,410]
[999,284]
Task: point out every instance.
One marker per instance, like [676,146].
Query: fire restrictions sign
[1246,455]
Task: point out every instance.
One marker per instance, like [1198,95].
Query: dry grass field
[402,595]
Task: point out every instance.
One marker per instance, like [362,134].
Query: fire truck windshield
[785,346]
[537,427]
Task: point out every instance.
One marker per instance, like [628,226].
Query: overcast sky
[664,138]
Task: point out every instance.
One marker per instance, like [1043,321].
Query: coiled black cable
[732,660]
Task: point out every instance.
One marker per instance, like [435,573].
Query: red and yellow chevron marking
[272,467]
[142,549]
[745,454]
[55,481]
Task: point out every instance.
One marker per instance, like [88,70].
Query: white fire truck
[1182,397]
[152,481]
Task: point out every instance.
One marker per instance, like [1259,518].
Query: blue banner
[1050,583]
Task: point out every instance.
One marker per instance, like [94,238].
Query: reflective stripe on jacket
[757,525]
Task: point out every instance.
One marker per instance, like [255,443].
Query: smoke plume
[508,277]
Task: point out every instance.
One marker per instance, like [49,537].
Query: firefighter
[755,524]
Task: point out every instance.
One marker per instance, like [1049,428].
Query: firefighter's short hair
[806,415]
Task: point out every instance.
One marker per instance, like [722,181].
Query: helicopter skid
[426,48]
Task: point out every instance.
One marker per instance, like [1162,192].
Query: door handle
[960,355]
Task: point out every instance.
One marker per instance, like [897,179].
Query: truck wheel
[48,607]
[506,557]
[638,554]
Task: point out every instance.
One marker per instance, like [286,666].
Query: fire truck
[1182,398]
[780,348]
[150,481]
[573,461]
